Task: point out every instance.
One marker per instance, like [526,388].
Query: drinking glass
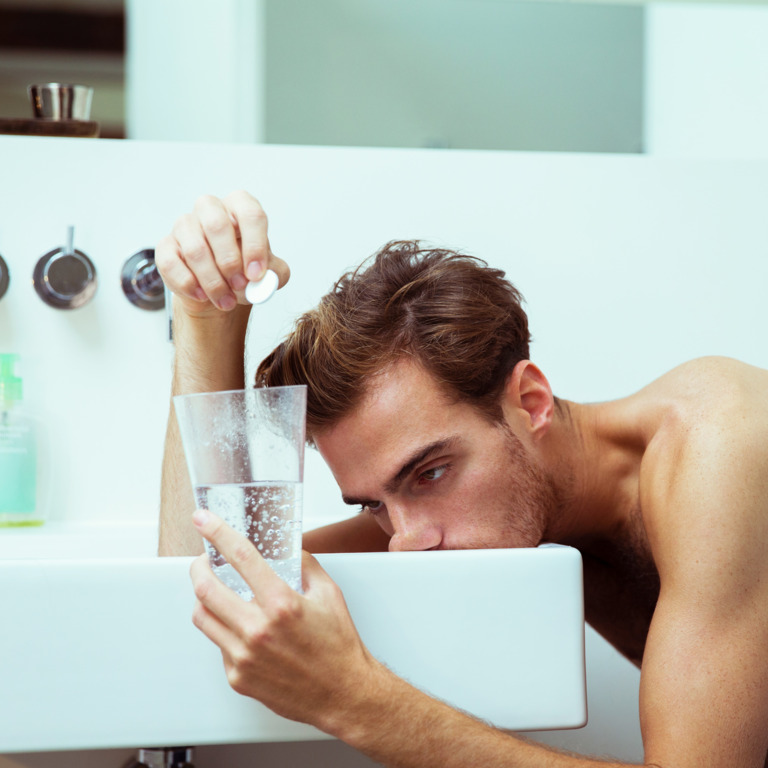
[245,455]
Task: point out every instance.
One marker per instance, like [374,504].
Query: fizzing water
[269,515]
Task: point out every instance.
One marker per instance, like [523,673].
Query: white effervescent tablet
[260,291]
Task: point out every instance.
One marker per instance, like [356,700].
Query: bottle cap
[10,385]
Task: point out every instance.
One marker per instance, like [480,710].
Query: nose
[412,533]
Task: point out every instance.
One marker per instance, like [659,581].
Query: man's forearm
[356,534]
[401,727]
[209,358]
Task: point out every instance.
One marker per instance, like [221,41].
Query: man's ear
[528,393]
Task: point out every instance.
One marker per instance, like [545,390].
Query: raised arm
[204,261]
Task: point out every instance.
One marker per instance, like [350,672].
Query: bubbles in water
[269,514]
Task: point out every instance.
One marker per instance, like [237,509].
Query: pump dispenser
[18,452]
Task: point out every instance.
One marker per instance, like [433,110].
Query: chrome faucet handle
[141,281]
[5,277]
[167,757]
[65,278]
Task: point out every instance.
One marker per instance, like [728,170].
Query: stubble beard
[534,500]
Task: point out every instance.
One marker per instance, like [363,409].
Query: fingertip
[254,271]
[201,518]
[198,566]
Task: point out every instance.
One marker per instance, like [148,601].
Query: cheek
[478,505]
[484,487]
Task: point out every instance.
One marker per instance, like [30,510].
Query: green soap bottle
[18,453]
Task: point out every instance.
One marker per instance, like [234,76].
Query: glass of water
[245,455]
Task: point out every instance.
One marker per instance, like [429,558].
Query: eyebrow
[420,455]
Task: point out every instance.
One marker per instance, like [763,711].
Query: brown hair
[451,312]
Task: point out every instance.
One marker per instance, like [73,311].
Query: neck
[593,460]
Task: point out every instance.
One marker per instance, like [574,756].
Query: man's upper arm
[704,684]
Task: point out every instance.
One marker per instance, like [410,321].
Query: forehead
[404,409]
[403,389]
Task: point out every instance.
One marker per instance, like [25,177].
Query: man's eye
[430,475]
[373,507]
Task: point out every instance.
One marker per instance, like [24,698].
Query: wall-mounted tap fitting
[164,757]
[5,277]
[141,281]
[65,278]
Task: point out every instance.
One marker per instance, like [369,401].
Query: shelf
[83,129]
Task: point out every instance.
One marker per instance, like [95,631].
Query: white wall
[630,265]
[706,80]
[195,71]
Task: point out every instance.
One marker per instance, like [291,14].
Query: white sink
[92,540]
[79,540]
[103,654]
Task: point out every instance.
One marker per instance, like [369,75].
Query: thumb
[314,577]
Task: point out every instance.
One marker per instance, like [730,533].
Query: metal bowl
[61,101]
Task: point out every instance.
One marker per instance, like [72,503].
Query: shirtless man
[665,493]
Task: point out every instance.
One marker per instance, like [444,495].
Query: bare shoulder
[713,412]
[708,396]
[708,379]
[704,476]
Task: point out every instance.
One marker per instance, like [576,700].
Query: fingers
[251,224]
[314,577]
[241,554]
[293,653]
[213,252]
[200,258]
[236,626]
[220,233]
[211,592]
[176,275]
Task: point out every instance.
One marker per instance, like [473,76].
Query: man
[432,419]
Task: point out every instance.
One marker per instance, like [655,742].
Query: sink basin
[99,653]
[92,540]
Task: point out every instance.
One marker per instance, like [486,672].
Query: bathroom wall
[706,70]
[629,265]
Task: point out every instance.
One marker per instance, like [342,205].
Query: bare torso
[620,593]
[621,578]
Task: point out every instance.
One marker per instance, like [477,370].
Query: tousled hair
[452,313]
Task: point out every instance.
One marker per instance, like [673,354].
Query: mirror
[541,75]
